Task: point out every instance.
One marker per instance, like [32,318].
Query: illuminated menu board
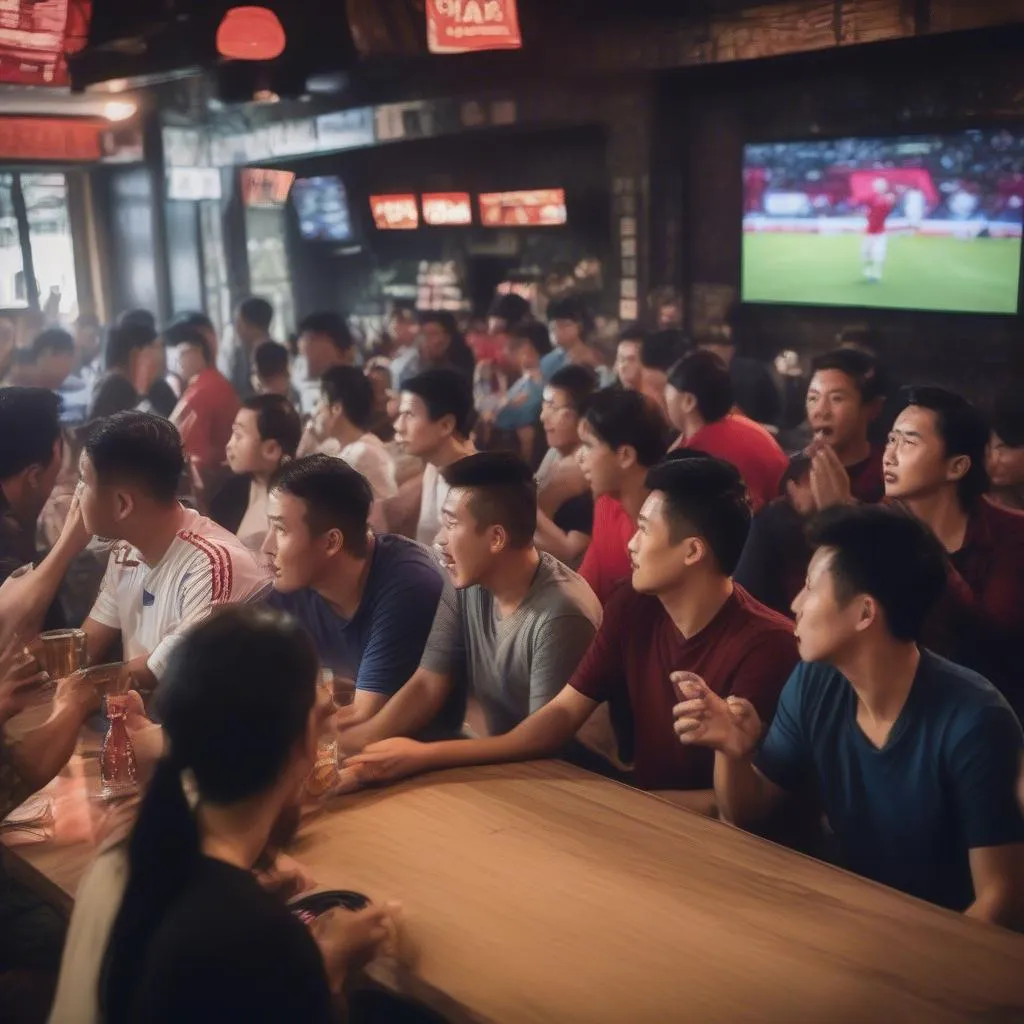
[264,187]
[539,208]
[395,213]
[445,209]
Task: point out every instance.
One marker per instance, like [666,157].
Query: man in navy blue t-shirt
[368,601]
[915,760]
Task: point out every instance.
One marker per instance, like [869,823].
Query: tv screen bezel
[894,312]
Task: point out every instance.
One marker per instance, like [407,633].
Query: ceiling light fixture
[251,33]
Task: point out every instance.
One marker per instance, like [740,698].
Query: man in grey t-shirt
[514,623]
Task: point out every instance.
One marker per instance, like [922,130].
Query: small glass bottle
[118,773]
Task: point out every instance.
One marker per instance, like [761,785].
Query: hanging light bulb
[251,33]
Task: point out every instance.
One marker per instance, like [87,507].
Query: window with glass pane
[53,252]
[12,268]
[269,273]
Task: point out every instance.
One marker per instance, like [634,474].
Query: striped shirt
[204,567]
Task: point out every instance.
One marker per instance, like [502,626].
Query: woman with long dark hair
[195,937]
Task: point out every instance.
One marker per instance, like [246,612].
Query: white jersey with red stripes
[204,567]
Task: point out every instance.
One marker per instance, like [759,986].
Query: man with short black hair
[171,566]
[264,436]
[699,397]
[31,449]
[341,428]
[272,373]
[435,419]
[622,435]
[207,408]
[754,388]
[628,368]
[326,341]
[845,397]
[54,354]
[914,759]
[682,614]
[659,352]
[569,322]
[253,319]
[135,365]
[515,622]
[935,466]
[1006,452]
[368,600]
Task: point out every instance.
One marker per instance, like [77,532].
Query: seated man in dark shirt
[31,449]
[935,466]
[367,600]
[914,759]
[682,614]
[774,562]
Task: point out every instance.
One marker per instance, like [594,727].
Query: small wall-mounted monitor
[321,205]
[543,207]
[262,186]
[447,209]
[395,212]
[923,222]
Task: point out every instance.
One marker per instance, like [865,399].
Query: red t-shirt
[991,627]
[606,563]
[879,208]
[751,449]
[747,651]
[867,480]
[205,416]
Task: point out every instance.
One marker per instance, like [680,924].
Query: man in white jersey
[171,566]
[435,418]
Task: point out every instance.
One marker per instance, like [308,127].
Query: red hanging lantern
[251,33]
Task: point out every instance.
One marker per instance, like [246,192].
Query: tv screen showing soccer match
[924,222]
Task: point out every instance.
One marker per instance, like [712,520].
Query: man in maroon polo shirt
[682,614]
[845,397]
[935,466]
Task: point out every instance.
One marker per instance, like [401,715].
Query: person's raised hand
[389,760]
[20,678]
[704,719]
[830,483]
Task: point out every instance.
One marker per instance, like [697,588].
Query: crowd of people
[507,549]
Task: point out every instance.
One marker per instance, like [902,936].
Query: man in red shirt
[935,466]
[876,243]
[207,409]
[846,395]
[622,435]
[700,400]
[682,614]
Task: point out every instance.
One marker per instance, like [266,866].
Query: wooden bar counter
[540,893]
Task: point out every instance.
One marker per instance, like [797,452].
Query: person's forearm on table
[410,710]
[541,735]
[742,794]
[42,753]
[566,547]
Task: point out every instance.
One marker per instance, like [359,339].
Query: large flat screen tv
[322,208]
[923,222]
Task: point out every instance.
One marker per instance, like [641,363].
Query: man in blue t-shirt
[368,601]
[915,760]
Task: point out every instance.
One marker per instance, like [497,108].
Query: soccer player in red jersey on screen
[876,242]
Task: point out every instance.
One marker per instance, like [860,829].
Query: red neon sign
[446,209]
[463,26]
[538,208]
[395,213]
